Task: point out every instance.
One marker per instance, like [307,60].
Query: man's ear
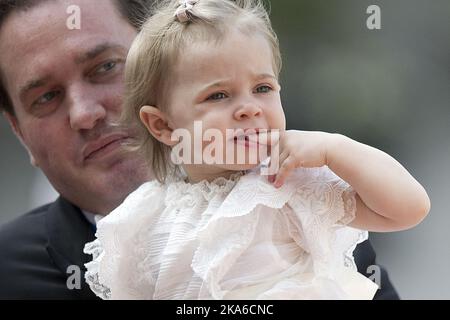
[14,124]
[157,124]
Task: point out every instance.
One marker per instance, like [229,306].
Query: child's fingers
[271,139]
[286,167]
[274,164]
[283,156]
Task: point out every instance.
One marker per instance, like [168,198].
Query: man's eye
[106,67]
[47,97]
[217,96]
[263,89]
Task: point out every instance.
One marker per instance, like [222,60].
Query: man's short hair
[135,11]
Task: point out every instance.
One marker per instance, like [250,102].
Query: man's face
[66,87]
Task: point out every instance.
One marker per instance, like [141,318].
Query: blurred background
[389,88]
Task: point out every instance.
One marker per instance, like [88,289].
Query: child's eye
[217,96]
[263,89]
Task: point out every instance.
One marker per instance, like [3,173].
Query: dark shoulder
[24,220]
[27,227]
[365,259]
[23,258]
[28,265]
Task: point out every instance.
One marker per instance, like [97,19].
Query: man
[60,91]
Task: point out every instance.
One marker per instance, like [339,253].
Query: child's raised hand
[297,149]
[387,197]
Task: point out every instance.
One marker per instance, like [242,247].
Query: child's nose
[247,111]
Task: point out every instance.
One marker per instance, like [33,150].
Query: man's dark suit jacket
[37,249]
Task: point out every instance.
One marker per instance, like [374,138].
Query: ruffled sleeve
[317,206]
[113,272]
[321,207]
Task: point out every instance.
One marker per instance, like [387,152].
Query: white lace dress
[231,239]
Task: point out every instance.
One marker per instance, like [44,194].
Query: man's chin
[105,187]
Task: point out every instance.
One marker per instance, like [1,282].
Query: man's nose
[85,110]
[247,111]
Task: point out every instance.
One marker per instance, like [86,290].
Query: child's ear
[14,124]
[156,122]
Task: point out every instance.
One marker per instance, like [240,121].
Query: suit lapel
[68,231]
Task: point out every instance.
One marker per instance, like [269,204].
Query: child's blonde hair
[157,48]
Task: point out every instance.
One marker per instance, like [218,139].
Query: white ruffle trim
[224,216]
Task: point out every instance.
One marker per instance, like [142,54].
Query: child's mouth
[249,138]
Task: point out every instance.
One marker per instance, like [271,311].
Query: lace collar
[208,189]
